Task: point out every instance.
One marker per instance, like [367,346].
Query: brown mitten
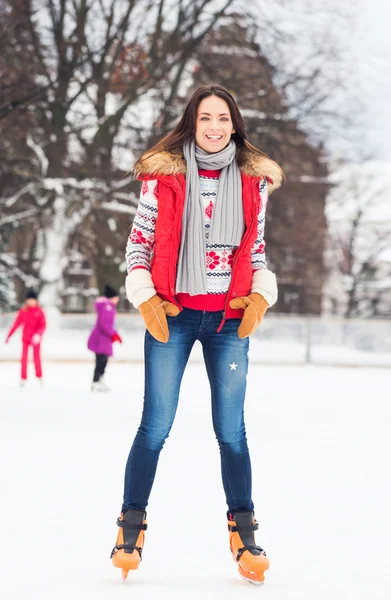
[154,312]
[254,306]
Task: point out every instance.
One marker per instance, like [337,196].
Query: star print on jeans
[233,366]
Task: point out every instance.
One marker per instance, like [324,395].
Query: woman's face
[214,124]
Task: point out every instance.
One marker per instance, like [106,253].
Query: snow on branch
[117,185]
[59,183]
[19,216]
[29,188]
[118,207]
[43,160]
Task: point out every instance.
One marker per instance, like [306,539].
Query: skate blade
[251,577]
[259,583]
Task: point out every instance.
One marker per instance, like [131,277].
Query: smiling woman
[197,271]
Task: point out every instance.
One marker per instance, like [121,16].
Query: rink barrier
[280,339]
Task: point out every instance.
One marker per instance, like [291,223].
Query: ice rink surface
[320,444]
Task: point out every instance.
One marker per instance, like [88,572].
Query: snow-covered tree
[7,271]
[85,75]
[359,217]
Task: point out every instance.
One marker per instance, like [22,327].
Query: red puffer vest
[171,199]
[170,169]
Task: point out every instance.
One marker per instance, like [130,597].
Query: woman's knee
[153,437]
[232,440]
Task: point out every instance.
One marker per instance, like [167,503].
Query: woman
[32,318]
[103,335]
[197,271]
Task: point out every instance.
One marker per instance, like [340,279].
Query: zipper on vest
[240,249]
[220,327]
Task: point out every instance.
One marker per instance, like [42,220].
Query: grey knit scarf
[227,225]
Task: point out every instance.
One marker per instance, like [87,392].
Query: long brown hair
[186,127]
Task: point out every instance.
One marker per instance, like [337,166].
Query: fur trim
[265,283]
[161,163]
[139,286]
[254,165]
[173,163]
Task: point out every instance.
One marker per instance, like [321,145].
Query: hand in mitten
[254,306]
[36,339]
[116,337]
[154,312]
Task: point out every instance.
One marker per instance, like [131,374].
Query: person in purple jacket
[103,335]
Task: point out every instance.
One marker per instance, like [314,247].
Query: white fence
[279,340]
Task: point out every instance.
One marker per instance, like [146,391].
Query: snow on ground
[320,444]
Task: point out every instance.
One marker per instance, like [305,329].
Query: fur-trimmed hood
[173,163]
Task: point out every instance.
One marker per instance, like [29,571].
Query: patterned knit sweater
[218,258]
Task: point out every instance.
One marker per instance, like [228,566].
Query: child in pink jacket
[103,335]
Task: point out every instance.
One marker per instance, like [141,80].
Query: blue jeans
[226,360]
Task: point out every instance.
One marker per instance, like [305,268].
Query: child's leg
[24,359]
[100,365]
[37,360]
[104,363]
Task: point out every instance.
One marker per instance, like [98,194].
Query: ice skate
[126,554]
[23,383]
[252,560]
[99,386]
[104,387]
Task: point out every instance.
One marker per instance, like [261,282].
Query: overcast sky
[373,47]
[359,31]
